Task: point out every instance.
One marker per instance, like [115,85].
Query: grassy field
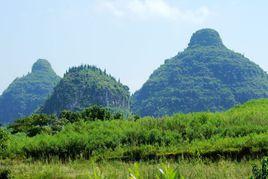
[86,169]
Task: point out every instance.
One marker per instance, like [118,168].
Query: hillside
[206,76]
[26,94]
[84,86]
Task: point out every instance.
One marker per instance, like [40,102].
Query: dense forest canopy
[206,76]
[26,94]
[84,86]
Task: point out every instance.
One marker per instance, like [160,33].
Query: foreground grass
[86,169]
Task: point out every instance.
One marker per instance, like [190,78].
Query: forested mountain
[84,86]
[206,76]
[26,94]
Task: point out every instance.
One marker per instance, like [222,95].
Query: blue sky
[128,38]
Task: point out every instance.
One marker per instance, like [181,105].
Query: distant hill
[206,76]
[26,94]
[84,86]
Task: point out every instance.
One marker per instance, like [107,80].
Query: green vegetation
[260,173]
[84,86]
[37,124]
[191,169]
[25,95]
[4,136]
[93,143]
[4,173]
[206,76]
[237,133]
[85,128]
[205,37]
[51,124]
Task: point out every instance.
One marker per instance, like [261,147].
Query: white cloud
[149,9]
[110,7]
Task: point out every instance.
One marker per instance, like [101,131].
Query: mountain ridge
[84,86]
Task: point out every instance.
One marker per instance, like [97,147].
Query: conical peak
[206,37]
[41,65]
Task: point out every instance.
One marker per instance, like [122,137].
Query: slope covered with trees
[26,94]
[84,86]
[206,76]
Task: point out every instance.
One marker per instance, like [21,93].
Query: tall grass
[116,169]
[237,133]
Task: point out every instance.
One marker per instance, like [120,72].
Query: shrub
[4,137]
[96,112]
[236,133]
[70,116]
[4,173]
[34,125]
[260,173]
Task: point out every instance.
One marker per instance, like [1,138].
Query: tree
[4,137]
[35,124]
[96,112]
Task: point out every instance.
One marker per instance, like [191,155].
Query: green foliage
[84,86]
[241,131]
[134,172]
[37,124]
[96,113]
[204,77]
[206,37]
[167,172]
[70,116]
[92,113]
[4,138]
[51,124]
[260,173]
[25,95]
[4,173]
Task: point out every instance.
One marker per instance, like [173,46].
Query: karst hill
[206,76]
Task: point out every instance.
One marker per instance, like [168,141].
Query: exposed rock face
[206,76]
[84,86]
[26,94]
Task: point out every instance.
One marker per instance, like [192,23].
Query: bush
[96,113]
[4,173]
[36,124]
[240,132]
[51,124]
[260,173]
[4,137]
[70,116]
